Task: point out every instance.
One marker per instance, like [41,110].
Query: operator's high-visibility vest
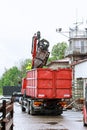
[29,67]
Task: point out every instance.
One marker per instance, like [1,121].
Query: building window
[77,46]
[82,46]
[70,45]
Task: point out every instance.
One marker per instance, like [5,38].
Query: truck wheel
[84,123]
[23,109]
[57,113]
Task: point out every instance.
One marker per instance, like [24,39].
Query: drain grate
[52,123]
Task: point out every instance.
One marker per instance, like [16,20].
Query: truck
[85,107]
[44,89]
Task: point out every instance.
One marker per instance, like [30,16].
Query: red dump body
[47,83]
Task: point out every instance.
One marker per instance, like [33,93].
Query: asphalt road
[69,120]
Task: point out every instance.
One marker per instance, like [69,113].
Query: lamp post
[59,30]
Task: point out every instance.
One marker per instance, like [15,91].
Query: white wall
[81,70]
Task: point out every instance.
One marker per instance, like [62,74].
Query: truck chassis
[41,106]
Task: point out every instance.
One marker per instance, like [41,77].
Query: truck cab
[85,108]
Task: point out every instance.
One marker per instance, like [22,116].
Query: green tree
[58,50]
[11,77]
[14,75]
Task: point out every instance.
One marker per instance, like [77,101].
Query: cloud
[20,19]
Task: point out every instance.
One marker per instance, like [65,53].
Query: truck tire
[23,109]
[84,122]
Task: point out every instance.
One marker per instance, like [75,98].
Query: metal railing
[76,50]
[78,34]
[6,115]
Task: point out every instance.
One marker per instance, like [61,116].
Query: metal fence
[9,90]
[77,94]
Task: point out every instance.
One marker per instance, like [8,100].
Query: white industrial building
[80,73]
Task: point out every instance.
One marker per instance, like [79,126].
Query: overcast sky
[20,19]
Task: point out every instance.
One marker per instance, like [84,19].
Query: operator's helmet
[29,64]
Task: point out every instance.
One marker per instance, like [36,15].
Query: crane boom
[39,51]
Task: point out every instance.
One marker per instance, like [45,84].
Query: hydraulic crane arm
[39,51]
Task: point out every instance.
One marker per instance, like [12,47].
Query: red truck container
[44,86]
[47,83]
